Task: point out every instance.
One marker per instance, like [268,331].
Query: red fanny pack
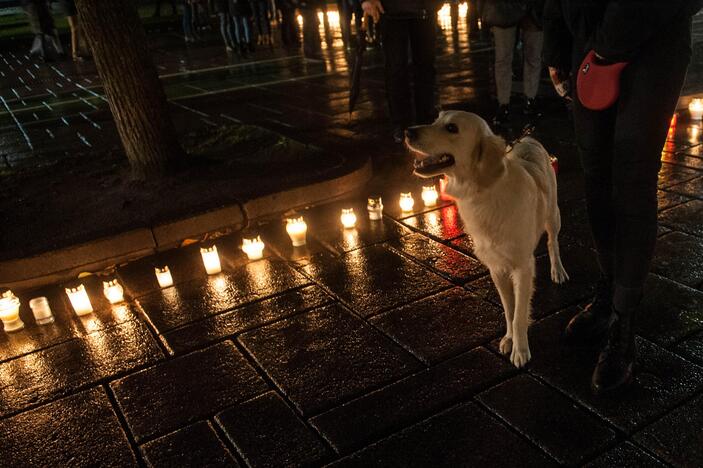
[598,83]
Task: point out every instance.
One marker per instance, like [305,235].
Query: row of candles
[253,248]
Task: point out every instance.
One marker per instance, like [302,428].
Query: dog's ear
[489,160]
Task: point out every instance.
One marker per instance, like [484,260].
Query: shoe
[616,363]
[398,135]
[591,324]
[531,108]
[502,116]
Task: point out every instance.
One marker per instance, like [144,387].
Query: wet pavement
[368,346]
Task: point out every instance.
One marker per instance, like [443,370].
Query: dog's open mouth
[431,165]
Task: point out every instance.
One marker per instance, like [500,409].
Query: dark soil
[81,197]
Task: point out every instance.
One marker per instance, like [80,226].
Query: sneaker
[591,324]
[531,108]
[502,116]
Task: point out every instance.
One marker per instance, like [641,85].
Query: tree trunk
[118,42]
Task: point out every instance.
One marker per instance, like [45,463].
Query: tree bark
[137,100]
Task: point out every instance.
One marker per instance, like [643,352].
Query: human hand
[373,8]
[560,80]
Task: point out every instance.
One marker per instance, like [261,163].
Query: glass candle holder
[297,230]
[695,108]
[406,202]
[429,195]
[163,276]
[79,300]
[10,312]
[254,248]
[375,208]
[41,310]
[113,291]
[211,260]
[348,218]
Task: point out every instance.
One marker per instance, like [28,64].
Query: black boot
[502,116]
[616,362]
[591,324]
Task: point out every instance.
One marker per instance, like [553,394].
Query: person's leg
[422,35]
[73,26]
[647,102]
[311,33]
[187,21]
[395,47]
[504,45]
[532,40]
[225,28]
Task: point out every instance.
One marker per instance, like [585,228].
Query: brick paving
[372,346]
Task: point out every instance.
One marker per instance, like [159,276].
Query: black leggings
[620,152]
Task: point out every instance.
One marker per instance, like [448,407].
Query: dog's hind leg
[507,297]
[553,226]
[523,282]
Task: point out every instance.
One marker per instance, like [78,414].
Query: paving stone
[441,224]
[667,199]
[325,357]
[449,262]
[75,431]
[691,188]
[686,217]
[679,257]
[267,432]
[244,318]
[671,175]
[443,325]
[398,405]
[662,380]
[466,245]
[461,436]
[172,394]
[69,366]
[669,311]
[549,297]
[549,419]
[692,348]
[574,224]
[193,446]
[671,439]
[625,455]
[374,279]
[682,159]
[193,300]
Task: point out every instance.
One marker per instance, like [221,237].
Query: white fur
[506,201]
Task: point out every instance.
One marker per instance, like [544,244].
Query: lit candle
[163,276]
[113,291]
[348,218]
[211,260]
[429,195]
[79,300]
[695,108]
[297,230]
[41,310]
[254,248]
[375,208]
[406,202]
[10,312]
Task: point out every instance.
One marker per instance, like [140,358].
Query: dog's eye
[451,128]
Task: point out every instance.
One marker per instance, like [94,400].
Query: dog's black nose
[411,133]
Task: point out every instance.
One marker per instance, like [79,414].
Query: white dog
[506,199]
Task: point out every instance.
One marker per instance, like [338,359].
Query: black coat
[616,29]
[410,7]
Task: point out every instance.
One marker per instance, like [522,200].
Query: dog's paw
[506,345]
[520,357]
[559,274]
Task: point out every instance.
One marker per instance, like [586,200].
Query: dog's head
[460,145]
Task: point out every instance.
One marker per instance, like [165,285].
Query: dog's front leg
[507,297]
[523,283]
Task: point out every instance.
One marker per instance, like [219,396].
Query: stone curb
[66,263]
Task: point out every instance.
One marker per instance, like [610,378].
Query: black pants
[418,35]
[620,152]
